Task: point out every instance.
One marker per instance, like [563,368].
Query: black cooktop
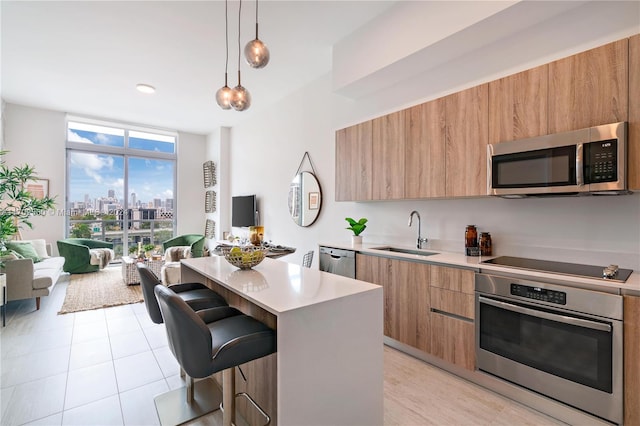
[573,269]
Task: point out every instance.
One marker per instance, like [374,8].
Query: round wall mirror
[305,199]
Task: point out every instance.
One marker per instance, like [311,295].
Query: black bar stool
[197,296]
[212,340]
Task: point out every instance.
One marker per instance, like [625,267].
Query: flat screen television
[243,211]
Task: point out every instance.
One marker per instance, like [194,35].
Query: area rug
[97,290]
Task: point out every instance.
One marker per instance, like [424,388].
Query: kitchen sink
[405,251]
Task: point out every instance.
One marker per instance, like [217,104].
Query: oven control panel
[537,293]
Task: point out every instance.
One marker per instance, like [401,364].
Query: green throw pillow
[24,249]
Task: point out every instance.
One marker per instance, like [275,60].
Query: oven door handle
[546,315]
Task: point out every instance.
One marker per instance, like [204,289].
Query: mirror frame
[306,199]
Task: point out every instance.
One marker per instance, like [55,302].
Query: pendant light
[256,52]
[223,95]
[240,97]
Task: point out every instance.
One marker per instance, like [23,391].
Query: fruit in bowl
[244,257]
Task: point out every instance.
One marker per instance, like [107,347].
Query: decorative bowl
[244,257]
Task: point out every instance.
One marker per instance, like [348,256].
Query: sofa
[84,255]
[31,277]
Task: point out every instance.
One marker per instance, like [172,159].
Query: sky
[96,174]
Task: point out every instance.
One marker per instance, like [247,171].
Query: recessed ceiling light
[145,88]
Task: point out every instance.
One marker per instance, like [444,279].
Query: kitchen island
[329,365]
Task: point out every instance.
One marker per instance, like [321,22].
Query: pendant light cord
[226,40]
[256,19]
[239,15]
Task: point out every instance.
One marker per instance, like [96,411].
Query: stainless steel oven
[563,342]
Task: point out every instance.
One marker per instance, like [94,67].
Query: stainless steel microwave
[580,162]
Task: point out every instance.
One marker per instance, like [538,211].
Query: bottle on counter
[471,241]
[485,244]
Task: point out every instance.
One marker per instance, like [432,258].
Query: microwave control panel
[537,293]
[601,163]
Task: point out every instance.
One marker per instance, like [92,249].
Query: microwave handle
[579,166]
[547,315]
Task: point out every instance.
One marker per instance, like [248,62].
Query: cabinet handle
[450,315]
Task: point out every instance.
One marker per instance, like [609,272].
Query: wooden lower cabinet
[437,320]
[452,315]
[453,340]
[406,297]
[631,360]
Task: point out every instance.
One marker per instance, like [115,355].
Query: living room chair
[194,241]
[82,255]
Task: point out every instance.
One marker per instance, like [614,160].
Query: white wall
[37,137]
[266,151]
[190,197]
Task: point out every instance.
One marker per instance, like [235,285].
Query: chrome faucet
[421,240]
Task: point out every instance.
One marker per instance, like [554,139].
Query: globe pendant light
[223,95]
[240,97]
[256,52]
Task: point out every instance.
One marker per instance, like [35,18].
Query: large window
[121,184]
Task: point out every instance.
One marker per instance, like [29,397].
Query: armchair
[196,241]
[77,253]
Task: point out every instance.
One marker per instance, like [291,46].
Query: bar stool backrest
[148,282]
[188,336]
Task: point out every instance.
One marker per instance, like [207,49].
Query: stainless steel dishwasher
[338,261]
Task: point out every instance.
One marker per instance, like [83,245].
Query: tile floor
[87,368]
[104,367]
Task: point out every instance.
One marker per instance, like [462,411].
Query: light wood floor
[417,393]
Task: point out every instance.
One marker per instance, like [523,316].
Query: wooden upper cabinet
[518,105]
[353,163]
[466,142]
[388,156]
[590,88]
[424,173]
[634,113]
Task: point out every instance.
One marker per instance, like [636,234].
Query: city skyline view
[96,174]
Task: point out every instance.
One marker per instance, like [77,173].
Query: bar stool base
[173,408]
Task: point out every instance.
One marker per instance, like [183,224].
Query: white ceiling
[85,57]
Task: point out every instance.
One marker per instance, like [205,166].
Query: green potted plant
[18,205]
[356,227]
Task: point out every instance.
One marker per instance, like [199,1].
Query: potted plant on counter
[356,228]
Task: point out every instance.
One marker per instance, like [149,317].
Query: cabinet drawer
[453,302]
[453,340]
[452,279]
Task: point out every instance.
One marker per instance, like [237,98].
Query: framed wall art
[38,188]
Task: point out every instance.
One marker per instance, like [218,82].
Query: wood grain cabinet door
[453,340]
[353,163]
[634,113]
[406,297]
[388,156]
[589,88]
[518,105]
[466,142]
[424,173]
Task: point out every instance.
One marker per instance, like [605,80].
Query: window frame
[126,152]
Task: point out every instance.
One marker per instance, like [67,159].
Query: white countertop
[278,286]
[631,286]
